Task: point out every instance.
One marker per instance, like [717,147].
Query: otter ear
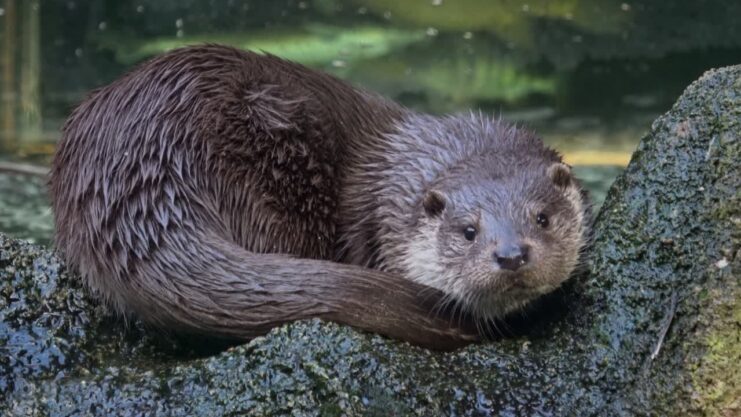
[434,203]
[560,174]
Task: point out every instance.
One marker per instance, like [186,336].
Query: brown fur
[211,189]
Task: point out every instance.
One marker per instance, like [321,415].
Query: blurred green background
[588,75]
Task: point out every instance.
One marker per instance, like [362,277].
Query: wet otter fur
[223,192]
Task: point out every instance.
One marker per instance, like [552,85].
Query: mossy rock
[652,328]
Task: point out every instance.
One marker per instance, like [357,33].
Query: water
[589,76]
[24,208]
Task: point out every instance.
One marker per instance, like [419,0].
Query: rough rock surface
[653,327]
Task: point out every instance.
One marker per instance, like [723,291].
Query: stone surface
[653,327]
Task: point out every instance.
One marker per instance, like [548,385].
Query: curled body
[224,192]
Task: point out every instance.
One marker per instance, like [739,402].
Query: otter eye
[469,233]
[542,220]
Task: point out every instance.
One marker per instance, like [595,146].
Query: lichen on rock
[652,328]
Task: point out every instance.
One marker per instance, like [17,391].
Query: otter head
[496,232]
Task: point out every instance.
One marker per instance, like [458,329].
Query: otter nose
[511,257]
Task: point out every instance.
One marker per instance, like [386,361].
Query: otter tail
[197,282]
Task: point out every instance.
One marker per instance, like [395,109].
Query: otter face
[495,242]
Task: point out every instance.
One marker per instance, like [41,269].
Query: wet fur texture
[491,175]
[223,192]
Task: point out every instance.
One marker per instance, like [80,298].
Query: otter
[223,192]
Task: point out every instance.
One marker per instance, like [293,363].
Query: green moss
[717,375]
